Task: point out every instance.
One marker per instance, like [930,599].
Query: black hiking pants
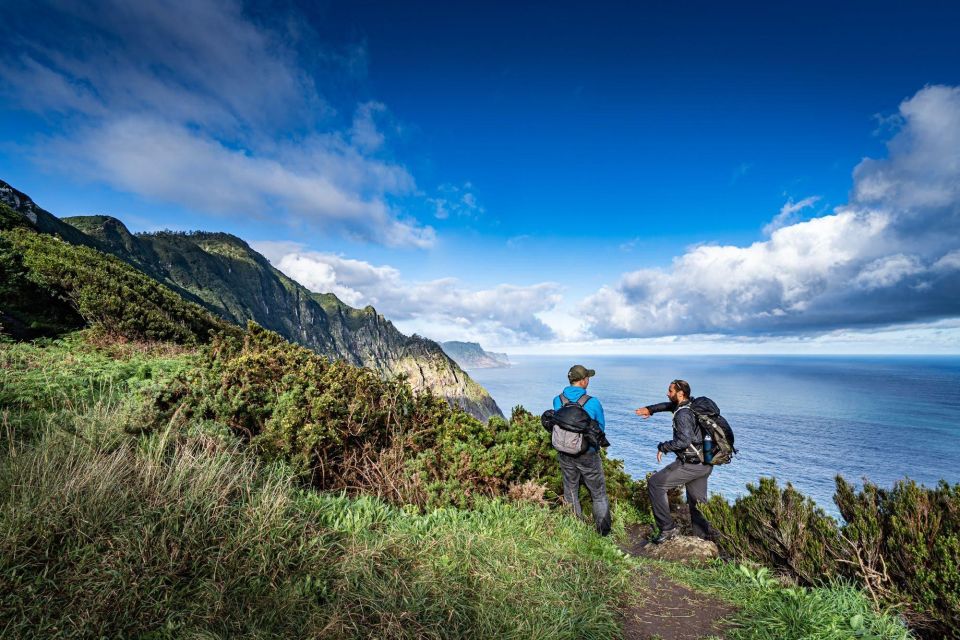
[586,468]
[694,476]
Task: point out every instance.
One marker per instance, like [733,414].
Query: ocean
[803,420]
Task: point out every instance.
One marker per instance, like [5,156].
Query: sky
[563,177]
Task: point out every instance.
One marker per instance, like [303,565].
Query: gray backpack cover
[569,437]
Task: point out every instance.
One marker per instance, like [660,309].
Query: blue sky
[677,177]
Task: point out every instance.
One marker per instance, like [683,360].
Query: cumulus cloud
[197,104]
[889,256]
[441,309]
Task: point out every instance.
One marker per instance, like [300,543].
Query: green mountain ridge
[223,274]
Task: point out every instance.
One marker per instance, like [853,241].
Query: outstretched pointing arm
[649,410]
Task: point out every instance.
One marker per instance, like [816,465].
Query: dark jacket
[686,432]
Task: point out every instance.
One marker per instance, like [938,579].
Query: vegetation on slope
[344,427]
[108,529]
[223,274]
[768,609]
[901,545]
[120,515]
[173,537]
[50,286]
[238,284]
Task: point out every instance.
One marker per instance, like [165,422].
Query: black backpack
[716,426]
[572,430]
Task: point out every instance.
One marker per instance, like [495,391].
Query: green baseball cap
[579,372]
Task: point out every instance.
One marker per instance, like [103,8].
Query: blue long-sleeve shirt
[593,407]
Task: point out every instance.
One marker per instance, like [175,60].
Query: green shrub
[80,383]
[905,546]
[901,545]
[779,528]
[343,427]
[27,310]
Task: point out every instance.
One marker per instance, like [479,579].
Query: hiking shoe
[712,534]
[666,535]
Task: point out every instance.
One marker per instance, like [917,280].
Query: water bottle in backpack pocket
[718,437]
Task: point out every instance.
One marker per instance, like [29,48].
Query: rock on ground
[686,549]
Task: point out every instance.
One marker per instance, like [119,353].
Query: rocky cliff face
[471,355]
[222,273]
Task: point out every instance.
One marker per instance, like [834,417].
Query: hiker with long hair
[688,470]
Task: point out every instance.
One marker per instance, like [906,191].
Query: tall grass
[173,537]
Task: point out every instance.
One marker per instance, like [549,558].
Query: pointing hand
[643,412]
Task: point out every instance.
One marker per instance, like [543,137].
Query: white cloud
[888,271]
[323,181]
[948,262]
[935,338]
[441,309]
[364,133]
[516,242]
[788,213]
[195,103]
[456,200]
[884,258]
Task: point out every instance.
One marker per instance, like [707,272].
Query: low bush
[84,382]
[904,545]
[780,528]
[343,427]
[900,545]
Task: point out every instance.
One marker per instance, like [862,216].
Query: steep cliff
[225,275]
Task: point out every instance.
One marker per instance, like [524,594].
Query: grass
[84,381]
[771,610]
[179,537]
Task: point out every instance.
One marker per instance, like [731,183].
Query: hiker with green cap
[585,467]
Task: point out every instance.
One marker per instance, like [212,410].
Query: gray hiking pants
[677,474]
[588,469]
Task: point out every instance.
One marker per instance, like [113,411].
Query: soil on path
[663,609]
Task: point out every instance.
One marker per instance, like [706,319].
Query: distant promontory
[470,355]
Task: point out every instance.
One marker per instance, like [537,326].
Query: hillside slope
[226,276]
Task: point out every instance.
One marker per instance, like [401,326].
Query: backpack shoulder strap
[584,399]
[563,399]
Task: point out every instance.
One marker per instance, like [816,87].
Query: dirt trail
[663,609]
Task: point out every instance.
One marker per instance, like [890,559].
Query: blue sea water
[799,419]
